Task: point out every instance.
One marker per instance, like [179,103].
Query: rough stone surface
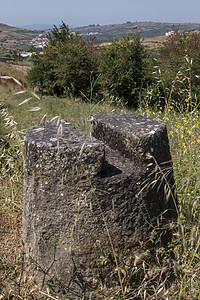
[123,171]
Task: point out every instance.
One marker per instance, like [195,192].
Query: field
[154,42]
[174,271]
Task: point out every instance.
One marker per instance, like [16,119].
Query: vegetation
[122,69]
[180,59]
[168,272]
[66,65]
[70,65]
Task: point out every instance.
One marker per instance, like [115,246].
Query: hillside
[104,33]
[12,38]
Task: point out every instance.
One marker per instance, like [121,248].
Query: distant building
[170,32]
[25,54]
[93,33]
[40,41]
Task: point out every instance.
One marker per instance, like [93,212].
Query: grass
[171,272]
[154,42]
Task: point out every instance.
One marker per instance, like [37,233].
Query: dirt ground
[11,236]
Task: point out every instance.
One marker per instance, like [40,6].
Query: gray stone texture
[123,171]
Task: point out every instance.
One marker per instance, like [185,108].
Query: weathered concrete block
[122,173]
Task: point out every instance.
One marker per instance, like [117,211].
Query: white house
[170,32]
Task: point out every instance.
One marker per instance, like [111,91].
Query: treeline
[123,70]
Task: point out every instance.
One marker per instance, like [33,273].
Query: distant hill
[12,38]
[104,33]
[42,27]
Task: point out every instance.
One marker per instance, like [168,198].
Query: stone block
[76,185]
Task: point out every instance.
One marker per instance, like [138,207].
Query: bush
[66,65]
[177,47]
[122,69]
[39,76]
[70,65]
[180,59]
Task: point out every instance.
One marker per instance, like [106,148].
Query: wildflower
[175,248]
[148,111]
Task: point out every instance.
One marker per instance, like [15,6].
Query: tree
[122,69]
[66,64]
[40,76]
[61,34]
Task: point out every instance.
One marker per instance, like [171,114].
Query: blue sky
[85,12]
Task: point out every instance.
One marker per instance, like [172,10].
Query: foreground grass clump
[184,137]
[170,272]
[183,122]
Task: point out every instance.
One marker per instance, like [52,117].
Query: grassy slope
[12,38]
[184,135]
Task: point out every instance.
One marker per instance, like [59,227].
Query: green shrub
[66,65]
[122,69]
[179,60]
[177,47]
[39,76]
